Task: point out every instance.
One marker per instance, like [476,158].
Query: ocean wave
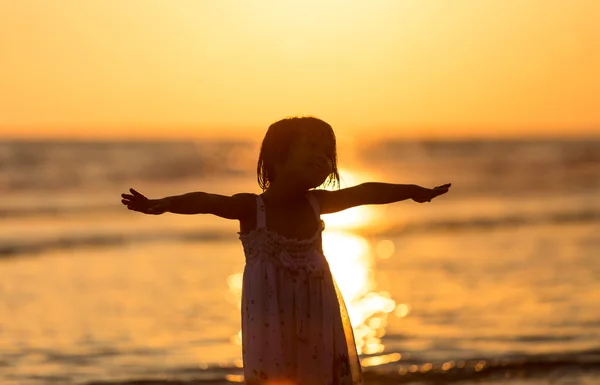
[55,166]
[68,242]
[480,166]
[54,211]
[490,223]
[16,247]
[570,366]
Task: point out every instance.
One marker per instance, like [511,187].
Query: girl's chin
[315,179]
[317,183]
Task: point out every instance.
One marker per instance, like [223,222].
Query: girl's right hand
[138,202]
[426,195]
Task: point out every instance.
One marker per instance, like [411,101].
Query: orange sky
[204,68]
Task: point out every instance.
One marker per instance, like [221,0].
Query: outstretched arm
[237,206]
[373,193]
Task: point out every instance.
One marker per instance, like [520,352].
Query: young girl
[295,327]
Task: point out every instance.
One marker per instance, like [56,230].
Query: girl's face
[310,159]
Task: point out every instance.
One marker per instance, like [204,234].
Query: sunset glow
[186,69]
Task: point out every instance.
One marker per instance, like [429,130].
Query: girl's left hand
[426,194]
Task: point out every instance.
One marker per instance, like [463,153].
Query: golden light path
[351,259]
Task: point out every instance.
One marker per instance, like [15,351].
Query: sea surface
[496,282]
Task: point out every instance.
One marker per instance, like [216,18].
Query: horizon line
[148,133]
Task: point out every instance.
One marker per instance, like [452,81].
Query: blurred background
[496,281]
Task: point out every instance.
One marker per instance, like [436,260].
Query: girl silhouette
[295,327]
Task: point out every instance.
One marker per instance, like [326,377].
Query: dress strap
[261,216]
[315,205]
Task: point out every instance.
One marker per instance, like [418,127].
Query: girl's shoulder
[244,199]
[245,205]
[245,196]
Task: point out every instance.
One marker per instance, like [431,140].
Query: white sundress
[295,327]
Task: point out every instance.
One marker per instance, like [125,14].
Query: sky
[194,68]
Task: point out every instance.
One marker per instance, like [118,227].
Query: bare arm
[238,206]
[230,207]
[373,193]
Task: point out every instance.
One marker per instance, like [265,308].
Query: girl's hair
[279,139]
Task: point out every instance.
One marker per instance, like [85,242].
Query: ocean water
[496,282]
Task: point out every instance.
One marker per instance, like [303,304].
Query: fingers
[439,190]
[133,204]
[135,201]
[137,194]
[131,198]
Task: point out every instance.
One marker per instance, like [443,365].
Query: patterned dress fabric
[295,326]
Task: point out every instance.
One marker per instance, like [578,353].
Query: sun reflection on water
[351,263]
